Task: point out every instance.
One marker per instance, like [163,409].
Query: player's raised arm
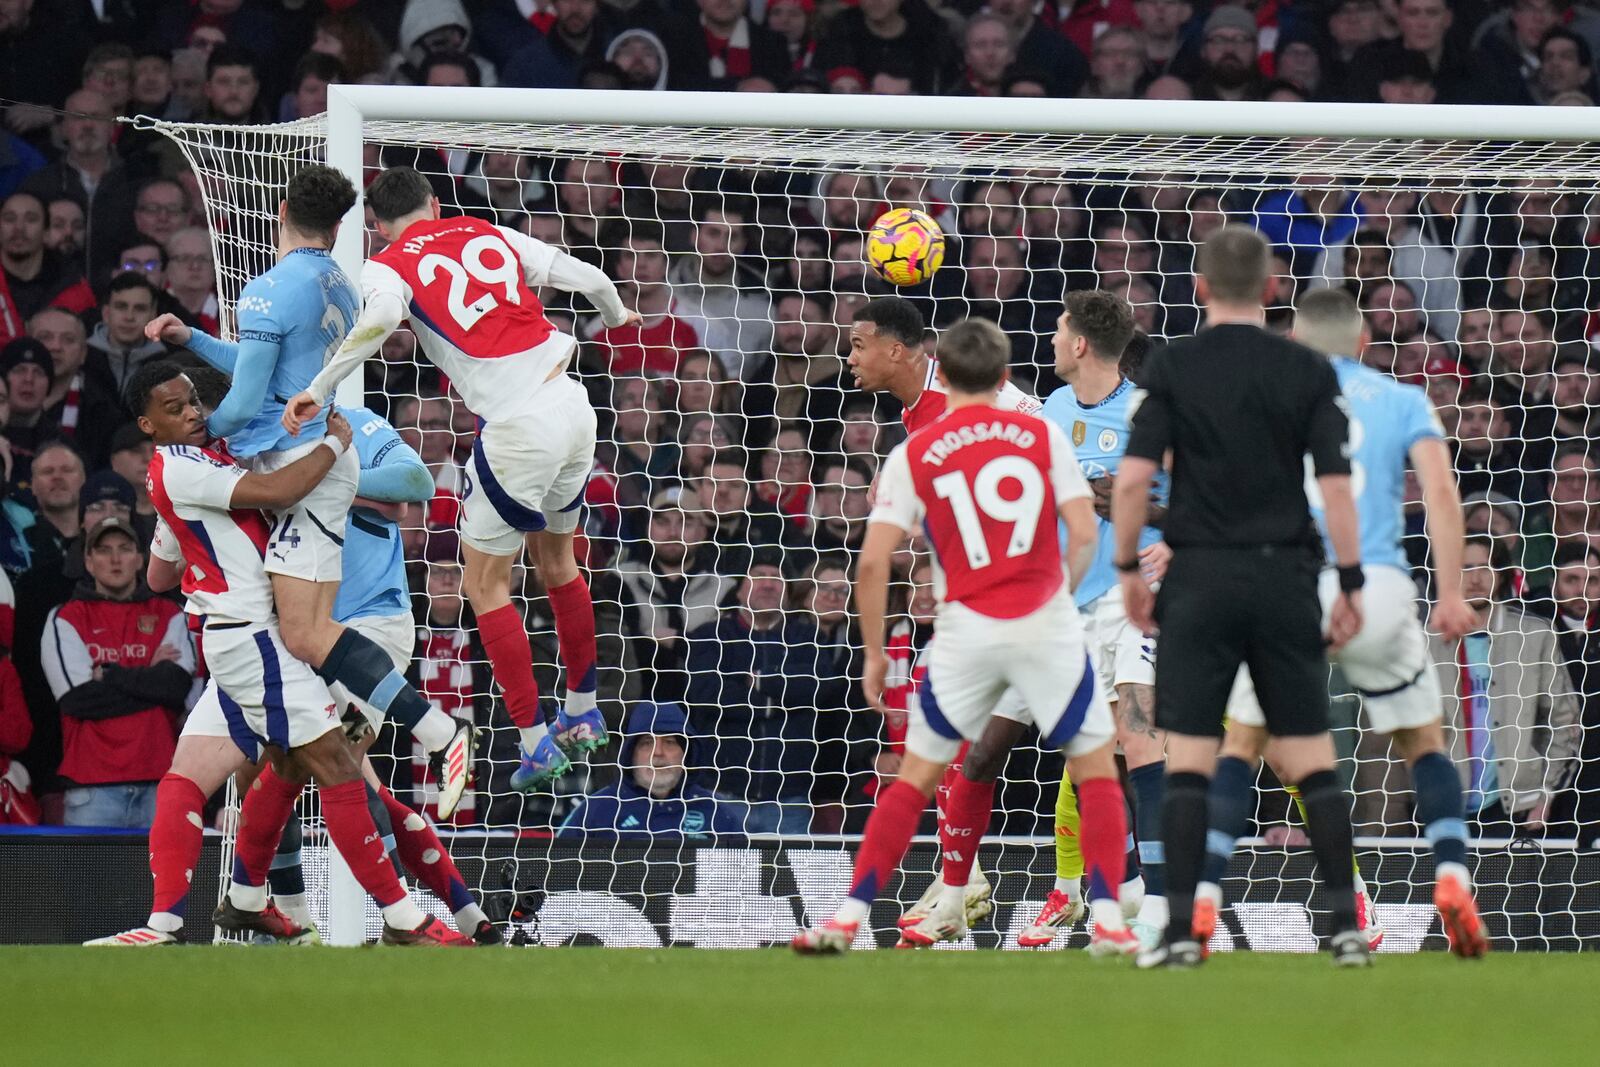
[1441,501]
[543,264]
[284,487]
[895,514]
[395,474]
[174,331]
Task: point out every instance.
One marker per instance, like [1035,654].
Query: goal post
[1036,196]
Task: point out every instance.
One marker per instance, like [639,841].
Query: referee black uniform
[1240,409]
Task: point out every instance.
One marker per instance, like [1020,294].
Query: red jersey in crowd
[108,734]
[444,677]
[653,348]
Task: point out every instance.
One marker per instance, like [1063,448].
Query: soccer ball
[905,246]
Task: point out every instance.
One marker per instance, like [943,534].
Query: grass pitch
[333,1007]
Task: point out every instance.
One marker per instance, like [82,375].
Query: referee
[1239,409]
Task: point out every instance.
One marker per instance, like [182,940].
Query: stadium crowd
[733,482]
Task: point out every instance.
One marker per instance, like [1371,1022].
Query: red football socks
[425,855]
[889,832]
[574,612]
[505,640]
[267,805]
[1103,834]
[355,835]
[175,839]
[966,820]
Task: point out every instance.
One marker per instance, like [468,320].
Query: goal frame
[351,107]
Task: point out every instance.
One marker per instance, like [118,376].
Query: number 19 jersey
[464,285]
[986,486]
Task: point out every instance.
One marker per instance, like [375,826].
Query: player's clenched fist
[168,328]
[301,409]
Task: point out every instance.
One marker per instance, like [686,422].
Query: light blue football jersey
[1099,435]
[304,305]
[1386,419]
[374,579]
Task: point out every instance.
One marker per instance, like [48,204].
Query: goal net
[736,454]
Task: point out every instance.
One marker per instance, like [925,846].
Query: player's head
[167,406]
[1330,321]
[398,197]
[1094,324]
[317,198]
[974,357]
[210,384]
[885,335]
[1235,268]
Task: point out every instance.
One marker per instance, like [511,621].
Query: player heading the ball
[467,287]
[988,485]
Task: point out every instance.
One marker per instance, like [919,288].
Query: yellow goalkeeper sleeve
[1300,805]
[1069,854]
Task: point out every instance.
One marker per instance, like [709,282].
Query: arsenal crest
[147,624]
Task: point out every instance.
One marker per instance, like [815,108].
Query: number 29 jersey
[464,284]
[986,486]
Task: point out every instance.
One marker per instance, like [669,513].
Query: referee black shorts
[1220,607]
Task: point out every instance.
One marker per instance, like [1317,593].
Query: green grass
[333,1007]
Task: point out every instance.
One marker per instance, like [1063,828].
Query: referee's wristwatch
[1351,578]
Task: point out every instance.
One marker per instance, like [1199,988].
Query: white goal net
[736,453]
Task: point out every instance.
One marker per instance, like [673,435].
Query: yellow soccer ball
[905,246]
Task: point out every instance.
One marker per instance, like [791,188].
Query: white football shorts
[258,693]
[1387,662]
[530,474]
[1122,654]
[976,659]
[307,540]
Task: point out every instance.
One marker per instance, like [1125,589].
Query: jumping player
[1387,660]
[290,319]
[988,485]
[468,288]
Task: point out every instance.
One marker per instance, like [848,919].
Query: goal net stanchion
[1463,232]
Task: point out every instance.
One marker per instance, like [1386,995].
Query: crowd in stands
[734,474]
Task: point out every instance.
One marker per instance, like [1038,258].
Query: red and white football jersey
[224,547]
[987,485]
[930,405]
[464,284]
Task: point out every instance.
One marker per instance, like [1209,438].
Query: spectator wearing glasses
[1229,52]
[192,278]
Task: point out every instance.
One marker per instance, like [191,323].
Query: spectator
[700,437]
[160,209]
[18,805]
[449,70]
[143,257]
[716,294]
[41,55]
[1308,220]
[641,57]
[1507,54]
[554,59]
[641,449]
[1576,398]
[120,665]
[192,279]
[667,589]
[1117,63]
[825,599]
[353,41]
[79,405]
[129,457]
[995,289]
[1228,48]
[1574,599]
[839,506]
[1297,61]
[876,33]
[751,696]
[118,346]
[29,374]
[1523,366]
[432,26]
[1474,328]
[150,92]
[804,378]
[741,523]
[587,196]
[1408,80]
[656,798]
[1509,705]
[65,229]
[1391,312]
[785,475]
[703,386]
[1488,458]
[449,670]
[233,88]
[308,89]
[1575,496]
[1566,65]
[31,276]
[988,50]
[1424,28]
[108,70]
[1039,48]
[655,345]
[729,47]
